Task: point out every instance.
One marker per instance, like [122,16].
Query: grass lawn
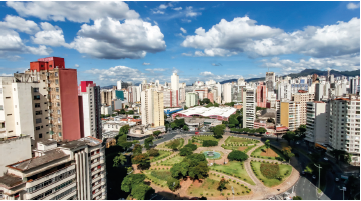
[240,140]
[174,160]
[162,154]
[206,137]
[234,168]
[245,149]
[209,186]
[258,153]
[167,144]
[158,176]
[272,182]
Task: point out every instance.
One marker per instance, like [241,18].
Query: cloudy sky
[132,41]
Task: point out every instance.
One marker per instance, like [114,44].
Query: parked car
[326,159]
[337,179]
[309,152]
[313,176]
[297,142]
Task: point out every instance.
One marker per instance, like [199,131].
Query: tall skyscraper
[302,98]
[261,95]
[249,107]
[89,102]
[152,108]
[317,123]
[227,92]
[175,83]
[270,81]
[288,114]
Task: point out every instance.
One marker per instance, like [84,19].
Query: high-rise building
[69,171]
[249,107]
[317,122]
[227,92]
[122,85]
[261,95]
[302,98]
[270,81]
[191,99]
[106,96]
[170,98]
[314,78]
[355,85]
[152,108]
[288,114]
[175,83]
[91,124]
[344,126]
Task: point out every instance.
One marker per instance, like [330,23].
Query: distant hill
[303,74]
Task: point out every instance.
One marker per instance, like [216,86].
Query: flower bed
[270,171]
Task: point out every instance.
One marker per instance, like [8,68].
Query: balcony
[32,183]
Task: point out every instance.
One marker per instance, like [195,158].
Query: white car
[326,159]
[297,142]
[313,176]
[337,179]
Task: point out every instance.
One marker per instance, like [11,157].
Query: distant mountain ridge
[303,74]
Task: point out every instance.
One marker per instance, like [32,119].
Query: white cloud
[145,64]
[163,6]
[158,12]
[51,35]
[243,35]
[183,30]
[206,73]
[186,20]
[180,35]
[76,66]
[110,39]
[178,8]
[20,24]
[187,54]
[76,11]
[10,43]
[190,12]
[344,62]
[116,73]
[156,69]
[353,6]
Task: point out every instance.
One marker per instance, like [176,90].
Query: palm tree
[267,144]
[120,159]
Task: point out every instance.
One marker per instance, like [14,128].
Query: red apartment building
[261,95]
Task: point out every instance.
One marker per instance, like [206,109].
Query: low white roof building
[220,113]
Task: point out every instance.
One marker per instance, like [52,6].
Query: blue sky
[132,41]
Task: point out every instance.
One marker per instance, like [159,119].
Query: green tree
[137,149]
[287,151]
[173,184]
[173,125]
[222,184]
[233,119]
[191,146]
[148,142]
[267,143]
[297,198]
[261,130]
[199,171]
[185,127]
[237,155]
[122,111]
[179,170]
[185,151]
[119,159]
[142,192]
[218,131]
[153,152]
[157,133]
[142,160]
[215,104]
[124,129]
[130,181]
[289,136]
[130,112]
[206,100]
[185,108]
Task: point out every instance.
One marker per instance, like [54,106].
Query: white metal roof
[211,111]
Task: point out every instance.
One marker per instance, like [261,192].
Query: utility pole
[319,175]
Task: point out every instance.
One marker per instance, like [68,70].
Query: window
[36,89]
[1,107]
[56,74]
[37,128]
[57,89]
[40,135]
[56,81]
[57,96]
[58,111]
[38,112]
[37,105]
[38,121]
[60,134]
[1,90]
[37,97]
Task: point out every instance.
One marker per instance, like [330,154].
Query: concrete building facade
[317,122]
[152,108]
[261,95]
[249,107]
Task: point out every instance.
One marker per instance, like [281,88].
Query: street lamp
[343,189]
[319,175]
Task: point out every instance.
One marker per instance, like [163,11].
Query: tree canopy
[194,166]
[222,184]
[131,180]
[237,155]
[185,151]
[142,160]
[148,142]
[153,152]
[173,183]
[289,136]
[142,192]
[137,149]
[209,143]
[119,159]
[156,133]
[218,131]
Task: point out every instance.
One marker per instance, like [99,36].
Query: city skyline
[151,40]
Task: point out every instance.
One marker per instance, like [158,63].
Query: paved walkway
[259,191]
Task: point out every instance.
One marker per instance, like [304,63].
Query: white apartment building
[303,98]
[24,117]
[270,81]
[249,107]
[106,110]
[90,97]
[227,92]
[344,129]
[191,99]
[152,108]
[284,91]
[317,122]
[170,98]
[69,171]
[354,85]
[175,84]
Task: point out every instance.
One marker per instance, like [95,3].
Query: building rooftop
[10,180]
[207,112]
[47,141]
[37,161]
